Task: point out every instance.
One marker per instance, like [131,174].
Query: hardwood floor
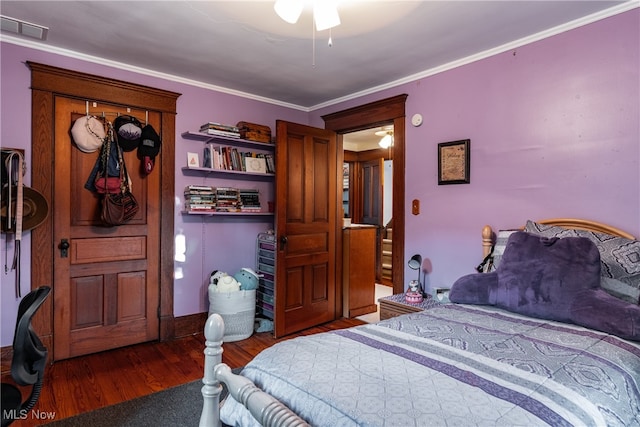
[85,383]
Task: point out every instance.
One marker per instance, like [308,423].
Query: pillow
[498,248]
[620,258]
[596,309]
[538,276]
[554,279]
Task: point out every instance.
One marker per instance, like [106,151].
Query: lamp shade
[325,14]
[289,10]
[386,141]
[415,262]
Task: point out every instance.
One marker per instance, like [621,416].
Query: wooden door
[372,192]
[106,288]
[372,204]
[306,226]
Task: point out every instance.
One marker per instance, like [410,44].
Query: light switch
[415,207]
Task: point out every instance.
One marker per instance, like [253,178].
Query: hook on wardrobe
[104,114]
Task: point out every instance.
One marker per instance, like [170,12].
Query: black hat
[149,148]
[128,131]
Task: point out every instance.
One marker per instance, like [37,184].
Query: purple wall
[555,132]
[554,129]
[230,243]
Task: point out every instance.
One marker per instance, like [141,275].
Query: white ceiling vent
[16,26]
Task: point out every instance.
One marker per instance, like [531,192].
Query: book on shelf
[192,207]
[207,158]
[230,158]
[228,134]
[219,126]
[198,188]
[250,200]
[270,165]
[219,129]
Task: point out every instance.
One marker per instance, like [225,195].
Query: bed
[452,364]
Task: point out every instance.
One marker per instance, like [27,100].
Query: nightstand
[396,305]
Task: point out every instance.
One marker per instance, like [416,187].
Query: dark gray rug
[179,406]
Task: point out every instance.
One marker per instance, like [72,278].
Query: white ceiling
[242,47]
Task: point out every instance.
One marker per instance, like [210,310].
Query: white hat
[88,133]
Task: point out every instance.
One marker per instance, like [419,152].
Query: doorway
[380,113]
[368,190]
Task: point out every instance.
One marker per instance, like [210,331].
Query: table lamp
[414,293]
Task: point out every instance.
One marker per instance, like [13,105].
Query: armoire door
[372,204]
[106,285]
[306,227]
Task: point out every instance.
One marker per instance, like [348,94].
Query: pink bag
[108,185]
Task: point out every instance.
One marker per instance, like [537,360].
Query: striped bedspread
[452,365]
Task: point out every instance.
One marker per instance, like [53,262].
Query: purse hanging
[103,182]
[121,206]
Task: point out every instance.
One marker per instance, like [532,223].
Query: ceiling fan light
[289,10]
[325,14]
[386,141]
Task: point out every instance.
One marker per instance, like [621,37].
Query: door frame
[48,82]
[366,116]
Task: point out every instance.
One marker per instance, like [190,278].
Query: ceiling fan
[325,13]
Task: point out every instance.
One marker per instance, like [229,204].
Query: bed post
[213,333]
[487,240]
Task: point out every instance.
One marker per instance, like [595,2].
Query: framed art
[255,165]
[193,161]
[454,162]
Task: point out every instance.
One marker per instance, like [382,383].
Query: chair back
[29,354]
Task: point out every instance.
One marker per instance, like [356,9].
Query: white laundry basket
[238,311]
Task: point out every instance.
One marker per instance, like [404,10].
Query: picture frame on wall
[454,161]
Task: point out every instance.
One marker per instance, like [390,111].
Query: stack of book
[199,198]
[227,199]
[249,200]
[212,128]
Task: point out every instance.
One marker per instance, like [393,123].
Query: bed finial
[214,333]
[487,240]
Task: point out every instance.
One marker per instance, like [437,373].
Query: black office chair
[29,360]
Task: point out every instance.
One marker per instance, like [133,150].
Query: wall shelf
[239,142]
[216,213]
[234,174]
[229,174]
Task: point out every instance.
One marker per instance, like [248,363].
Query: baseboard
[190,324]
[183,326]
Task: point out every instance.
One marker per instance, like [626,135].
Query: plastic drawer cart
[266,269]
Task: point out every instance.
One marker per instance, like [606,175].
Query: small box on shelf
[254,132]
